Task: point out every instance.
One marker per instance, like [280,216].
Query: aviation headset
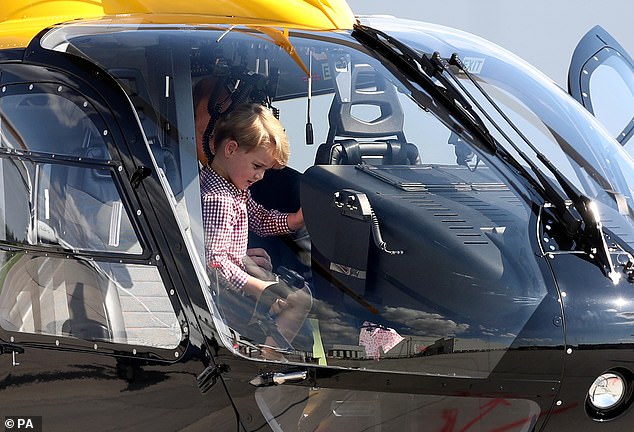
[242,86]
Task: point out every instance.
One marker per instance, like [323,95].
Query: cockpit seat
[90,208]
[279,190]
[352,152]
[366,125]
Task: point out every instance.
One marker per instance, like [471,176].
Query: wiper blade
[421,70]
[589,223]
[424,68]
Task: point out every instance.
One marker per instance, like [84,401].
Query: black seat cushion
[352,152]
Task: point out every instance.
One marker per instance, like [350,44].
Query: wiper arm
[574,209]
[545,185]
[434,67]
[590,222]
[421,70]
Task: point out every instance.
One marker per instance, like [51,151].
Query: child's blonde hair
[252,126]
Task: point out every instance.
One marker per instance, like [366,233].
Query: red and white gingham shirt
[228,214]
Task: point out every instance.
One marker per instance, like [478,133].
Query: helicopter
[468,240]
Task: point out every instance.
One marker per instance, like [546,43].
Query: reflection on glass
[86,299]
[73,207]
[289,408]
[64,126]
[452,303]
[81,209]
[606,391]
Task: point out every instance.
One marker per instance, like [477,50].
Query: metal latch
[209,376]
[139,175]
[277,378]
[14,350]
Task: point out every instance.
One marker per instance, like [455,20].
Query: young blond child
[247,142]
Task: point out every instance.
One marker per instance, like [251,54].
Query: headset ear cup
[214,109]
[241,93]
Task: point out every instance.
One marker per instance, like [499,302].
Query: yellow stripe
[318,347]
[20,20]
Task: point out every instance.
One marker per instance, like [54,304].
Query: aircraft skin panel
[20,20]
[467,255]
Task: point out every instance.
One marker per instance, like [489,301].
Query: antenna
[309,126]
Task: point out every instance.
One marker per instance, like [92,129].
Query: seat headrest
[369,90]
[351,152]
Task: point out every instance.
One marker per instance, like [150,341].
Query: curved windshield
[548,120]
[410,237]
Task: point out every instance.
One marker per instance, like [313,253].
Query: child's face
[245,168]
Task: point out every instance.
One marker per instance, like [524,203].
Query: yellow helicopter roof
[21,20]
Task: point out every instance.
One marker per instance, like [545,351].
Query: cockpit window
[63,218]
[44,121]
[413,235]
[67,192]
[86,299]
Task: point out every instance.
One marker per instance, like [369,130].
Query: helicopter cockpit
[411,217]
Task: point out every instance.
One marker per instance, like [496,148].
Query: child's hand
[278,306]
[260,258]
[255,270]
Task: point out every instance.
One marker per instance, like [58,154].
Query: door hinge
[210,375]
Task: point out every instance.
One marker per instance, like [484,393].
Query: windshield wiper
[576,211]
[589,224]
[561,202]
[420,70]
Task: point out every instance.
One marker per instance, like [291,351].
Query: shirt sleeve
[219,219]
[266,222]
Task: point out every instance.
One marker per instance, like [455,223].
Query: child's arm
[266,222]
[296,220]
